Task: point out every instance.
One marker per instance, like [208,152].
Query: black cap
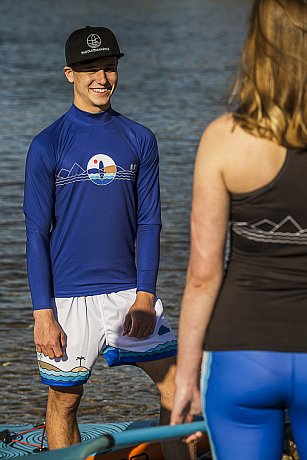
[91,43]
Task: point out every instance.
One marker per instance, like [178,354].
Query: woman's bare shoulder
[220,137]
[224,129]
[223,135]
[237,153]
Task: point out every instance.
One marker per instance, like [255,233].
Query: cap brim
[85,62]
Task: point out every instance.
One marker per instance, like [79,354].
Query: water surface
[179,57]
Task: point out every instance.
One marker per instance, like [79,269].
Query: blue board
[16,435]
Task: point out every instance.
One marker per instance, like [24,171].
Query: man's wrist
[43,313]
[145,297]
[145,294]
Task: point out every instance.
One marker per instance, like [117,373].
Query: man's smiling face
[94,83]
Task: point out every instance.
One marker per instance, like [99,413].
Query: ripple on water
[175,72]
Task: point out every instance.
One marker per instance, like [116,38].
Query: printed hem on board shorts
[58,383]
[53,376]
[117,356]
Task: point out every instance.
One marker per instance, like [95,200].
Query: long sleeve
[39,212]
[149,219]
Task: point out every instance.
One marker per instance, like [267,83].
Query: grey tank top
[262,304]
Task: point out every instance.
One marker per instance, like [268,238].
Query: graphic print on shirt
[101,170]
[287,231]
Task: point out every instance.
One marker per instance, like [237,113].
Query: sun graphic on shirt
[101,169]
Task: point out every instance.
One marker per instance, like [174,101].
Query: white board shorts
[94,325]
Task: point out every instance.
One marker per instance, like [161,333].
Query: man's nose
[101,76]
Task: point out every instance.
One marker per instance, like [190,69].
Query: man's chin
[102,105]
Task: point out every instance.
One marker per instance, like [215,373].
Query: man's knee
[65,399]
[162,373]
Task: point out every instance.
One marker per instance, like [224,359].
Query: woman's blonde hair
[270,90]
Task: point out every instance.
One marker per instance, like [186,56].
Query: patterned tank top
[262,304]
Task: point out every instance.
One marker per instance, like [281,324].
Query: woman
[251,170]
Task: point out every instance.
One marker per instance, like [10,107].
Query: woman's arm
[209,222]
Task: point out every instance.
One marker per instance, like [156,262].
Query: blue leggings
[246,395]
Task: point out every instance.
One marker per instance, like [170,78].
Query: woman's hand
[187,404]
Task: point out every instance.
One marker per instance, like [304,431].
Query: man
[91,196]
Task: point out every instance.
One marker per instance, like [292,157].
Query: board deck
[25,439]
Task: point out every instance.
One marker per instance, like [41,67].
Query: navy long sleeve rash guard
[91,196]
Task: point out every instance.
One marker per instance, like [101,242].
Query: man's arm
[39,211]
[140,320]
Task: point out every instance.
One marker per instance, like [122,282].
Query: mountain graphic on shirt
[287,225]
[75,170]
[287,231]
[100,173]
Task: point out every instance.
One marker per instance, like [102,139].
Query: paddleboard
[20,440]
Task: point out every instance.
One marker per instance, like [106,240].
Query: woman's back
[265,287]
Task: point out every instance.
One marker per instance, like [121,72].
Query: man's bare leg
[162,372]
[61,420]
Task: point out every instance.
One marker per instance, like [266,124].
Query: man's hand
[140,320]
[49,337]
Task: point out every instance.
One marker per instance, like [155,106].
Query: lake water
[178,64]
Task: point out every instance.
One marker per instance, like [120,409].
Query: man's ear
[69,74]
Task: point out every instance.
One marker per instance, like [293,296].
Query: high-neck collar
[90,119]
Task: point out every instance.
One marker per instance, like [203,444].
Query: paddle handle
[156,434]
